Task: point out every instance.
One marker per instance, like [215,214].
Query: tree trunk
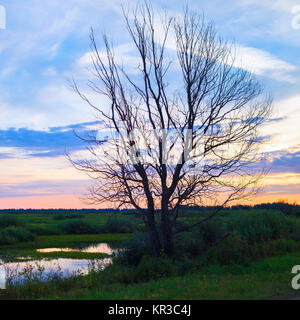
[167,231]
[153,233]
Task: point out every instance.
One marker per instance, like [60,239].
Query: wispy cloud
[264,63]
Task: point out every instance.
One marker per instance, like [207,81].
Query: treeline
[283,206]
[65,211]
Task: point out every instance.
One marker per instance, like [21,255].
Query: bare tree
[181,130]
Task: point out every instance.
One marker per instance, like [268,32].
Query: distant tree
[181,130]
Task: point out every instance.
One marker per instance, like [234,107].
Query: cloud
[286,162]
[284,132]
[52,143]
[43,188]
[264,63]
[281,190]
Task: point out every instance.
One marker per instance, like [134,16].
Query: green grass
[60,241]
[266,279]
[67,255]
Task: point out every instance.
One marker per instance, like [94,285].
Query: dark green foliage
[63,216]
[59,217]
[136,248]
[44,231]
[234,250]
[195,243]
[151,268]
[118,225]
[6,221]
[13,234]
[260,227]
[79,227]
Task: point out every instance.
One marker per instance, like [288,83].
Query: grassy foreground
[265,279]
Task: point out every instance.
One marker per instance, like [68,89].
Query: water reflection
[64,266]
[50,267]
[95,248]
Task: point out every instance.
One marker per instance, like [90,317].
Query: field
[253,262]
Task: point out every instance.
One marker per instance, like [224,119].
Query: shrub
[195,243]
[188,244]
[20,234]
[6,221]
[5,238]
[118,225]
[260,227]
[59,217]
[232,250]
[79,227]
[136,247]
[186,266]
[211,231]
[63,216]
[118,274]
[44,231]
[14,234]
[151,268]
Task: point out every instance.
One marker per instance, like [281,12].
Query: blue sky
[46,42]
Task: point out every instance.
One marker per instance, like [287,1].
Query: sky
[46,43]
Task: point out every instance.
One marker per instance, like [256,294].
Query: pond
[94,248]
[46,269]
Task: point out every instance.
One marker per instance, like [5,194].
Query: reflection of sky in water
[96,248]
[2,277]
[66,266]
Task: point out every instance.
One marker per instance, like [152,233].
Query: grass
[266,279]
[62,254]
[263,279]
[60,241]
[48,221]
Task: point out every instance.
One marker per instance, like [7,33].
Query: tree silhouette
[183,129]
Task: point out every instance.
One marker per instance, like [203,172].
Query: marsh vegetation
[257,244]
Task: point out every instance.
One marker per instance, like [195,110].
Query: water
[95,248]
[50,267]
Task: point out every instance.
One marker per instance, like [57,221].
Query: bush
[79,227]
[6,221]
[5,238]
[59,217]
[151,268]
[260,227]
[234,250]
[12,235]
[195,243]
[118,225]
[186,266]
[63,216]
[118,274]
[44,231]
[136,247]
[188,245]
